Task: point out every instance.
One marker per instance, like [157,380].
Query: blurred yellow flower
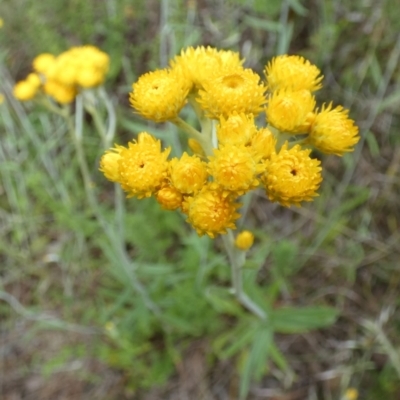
[292,176]
[2,98]
[244,240]
[63,94]
[1,22]
[290,111]
[25,90]
[351,394]
[188,174]
[143,166]
[109,163]
[239,91]
[159,95]
[236,129]
[200,63]
[210,212]
[234,168]
[169,198]
[263,143]
[333,132]
[43,62]
[292,72]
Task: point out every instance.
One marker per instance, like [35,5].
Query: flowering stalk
[237,259]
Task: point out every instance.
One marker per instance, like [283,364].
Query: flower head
[239,91]
[109,163]
[210,212]
[333,132]
[236,129]
[244,240]
[290,111]
[235,169]
[27,89]
[169,198]
[43,62]
[200,63]
[292,72]
[63,94]
[263,144]
[188,174]
[292,176]
[159,95]
[143,166]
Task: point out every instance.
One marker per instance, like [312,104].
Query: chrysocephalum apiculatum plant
[230,156]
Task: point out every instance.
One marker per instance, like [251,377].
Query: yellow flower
[34,80]
[236,129]
[200,63]
[292,176]
[292,72]
[351,394]
[25,90]
[159,95]
[263,143]
[143,166]
[188,174]
[169,198]
[239,91]
[333,132]
[244,240]
[84,66]
[2,98]
[290,111]
[63,94]
[109,163]
[234,168]
[43,62]
[210,212]
[89,77]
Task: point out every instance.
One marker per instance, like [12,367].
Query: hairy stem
[236,260]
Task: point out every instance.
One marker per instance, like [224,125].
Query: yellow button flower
[143,166]
[290,111]
[200,63]
[292,176]
[333,132]
[293,73]
[63,94]
[43,62]
[25,90]
[236,129]
[211,213]
[109,163]
[188,174]
[244,240]
[239,91]
[263,144]
[169,198]
[159,95]
[235,169]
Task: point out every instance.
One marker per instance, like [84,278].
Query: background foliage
[73,323]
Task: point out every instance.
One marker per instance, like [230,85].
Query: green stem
[195,134]
[236,260]
[76,136]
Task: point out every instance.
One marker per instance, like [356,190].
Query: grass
[76,322]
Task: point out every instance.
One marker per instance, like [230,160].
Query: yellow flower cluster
[231,155]
[63,76]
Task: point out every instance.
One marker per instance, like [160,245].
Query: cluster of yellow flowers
[231,155]
[62,77]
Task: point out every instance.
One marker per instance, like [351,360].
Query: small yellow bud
[244,240]
[195,146]
[169,198]
[351,394]
[109,164]
[24,90]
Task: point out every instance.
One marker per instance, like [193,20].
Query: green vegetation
[77,320]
